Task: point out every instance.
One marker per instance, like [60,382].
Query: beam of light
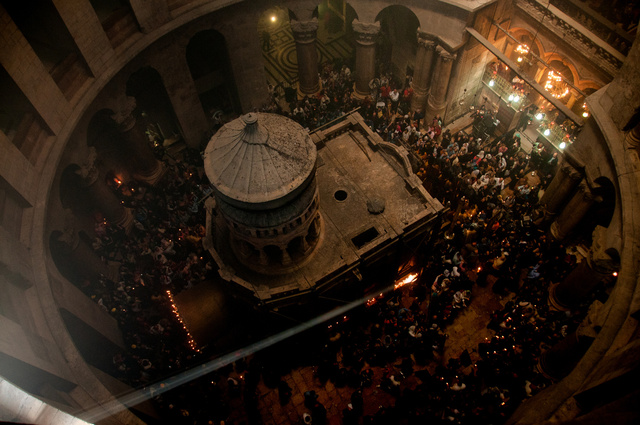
[112,407]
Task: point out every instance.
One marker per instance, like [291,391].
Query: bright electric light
[547,132]
[539,116]
[563,145]
[585,114]
[273,18]
[510,97]
[519,59]
[516,98]
[491,83]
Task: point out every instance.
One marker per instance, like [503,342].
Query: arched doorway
[210,68]
[397,42]
[153,104]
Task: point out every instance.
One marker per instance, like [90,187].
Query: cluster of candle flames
[174,308]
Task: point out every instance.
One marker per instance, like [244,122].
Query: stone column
[559,360]
[102,197]
[437,100]
[365,35]
[304,33]
[573,212]
[83,260]
[599,266]
[560,188]
[422,74]
[140,158]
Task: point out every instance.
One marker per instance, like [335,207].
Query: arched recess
[102,134]
[528,41]
[210,67]
[335,34]
[603,211]
[71,196]
[153,103]
[397,41]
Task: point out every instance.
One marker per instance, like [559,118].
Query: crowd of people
[160,256]
[489,239]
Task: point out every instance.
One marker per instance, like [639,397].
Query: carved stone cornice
[125,117]
[444,55]
[569,171]
[365,32]
[595,52]
[426,40]
[88,171]
[304,31]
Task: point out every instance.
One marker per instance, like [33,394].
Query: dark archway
[103,135]
[397,42]
[153,103]
[211,71]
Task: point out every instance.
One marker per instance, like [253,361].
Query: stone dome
[260,160]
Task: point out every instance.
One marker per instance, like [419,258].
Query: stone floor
[465,333]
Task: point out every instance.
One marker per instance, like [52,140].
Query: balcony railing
[597,24]
[573,33]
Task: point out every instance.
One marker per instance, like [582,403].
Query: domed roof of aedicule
[259,158]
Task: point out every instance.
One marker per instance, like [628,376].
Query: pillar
[304,33]
[365,35]
[103,198]
[573,212]
[560,188]
[141,160]
[559,360]
[598,266]
[83,260]
[422,73]
[437,99]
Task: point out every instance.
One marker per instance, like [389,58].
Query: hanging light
[547,132]
[511,97]
[539,116]
[516,98]
[562,145]
[491,83]
[555,85]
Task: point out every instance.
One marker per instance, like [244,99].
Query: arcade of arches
[519,116]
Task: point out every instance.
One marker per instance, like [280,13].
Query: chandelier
[555,86]
[522,50]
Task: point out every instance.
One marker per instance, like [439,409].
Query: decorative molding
[444,55]
[125,117]
[365,32]
[568,33]
[426,40]
[304,31]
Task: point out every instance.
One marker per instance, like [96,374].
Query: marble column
[422,75]
[140,158]
[437,100]
[365,34]
[102,197]
[559,360]
[304,33]
[560,189]
[573,212]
